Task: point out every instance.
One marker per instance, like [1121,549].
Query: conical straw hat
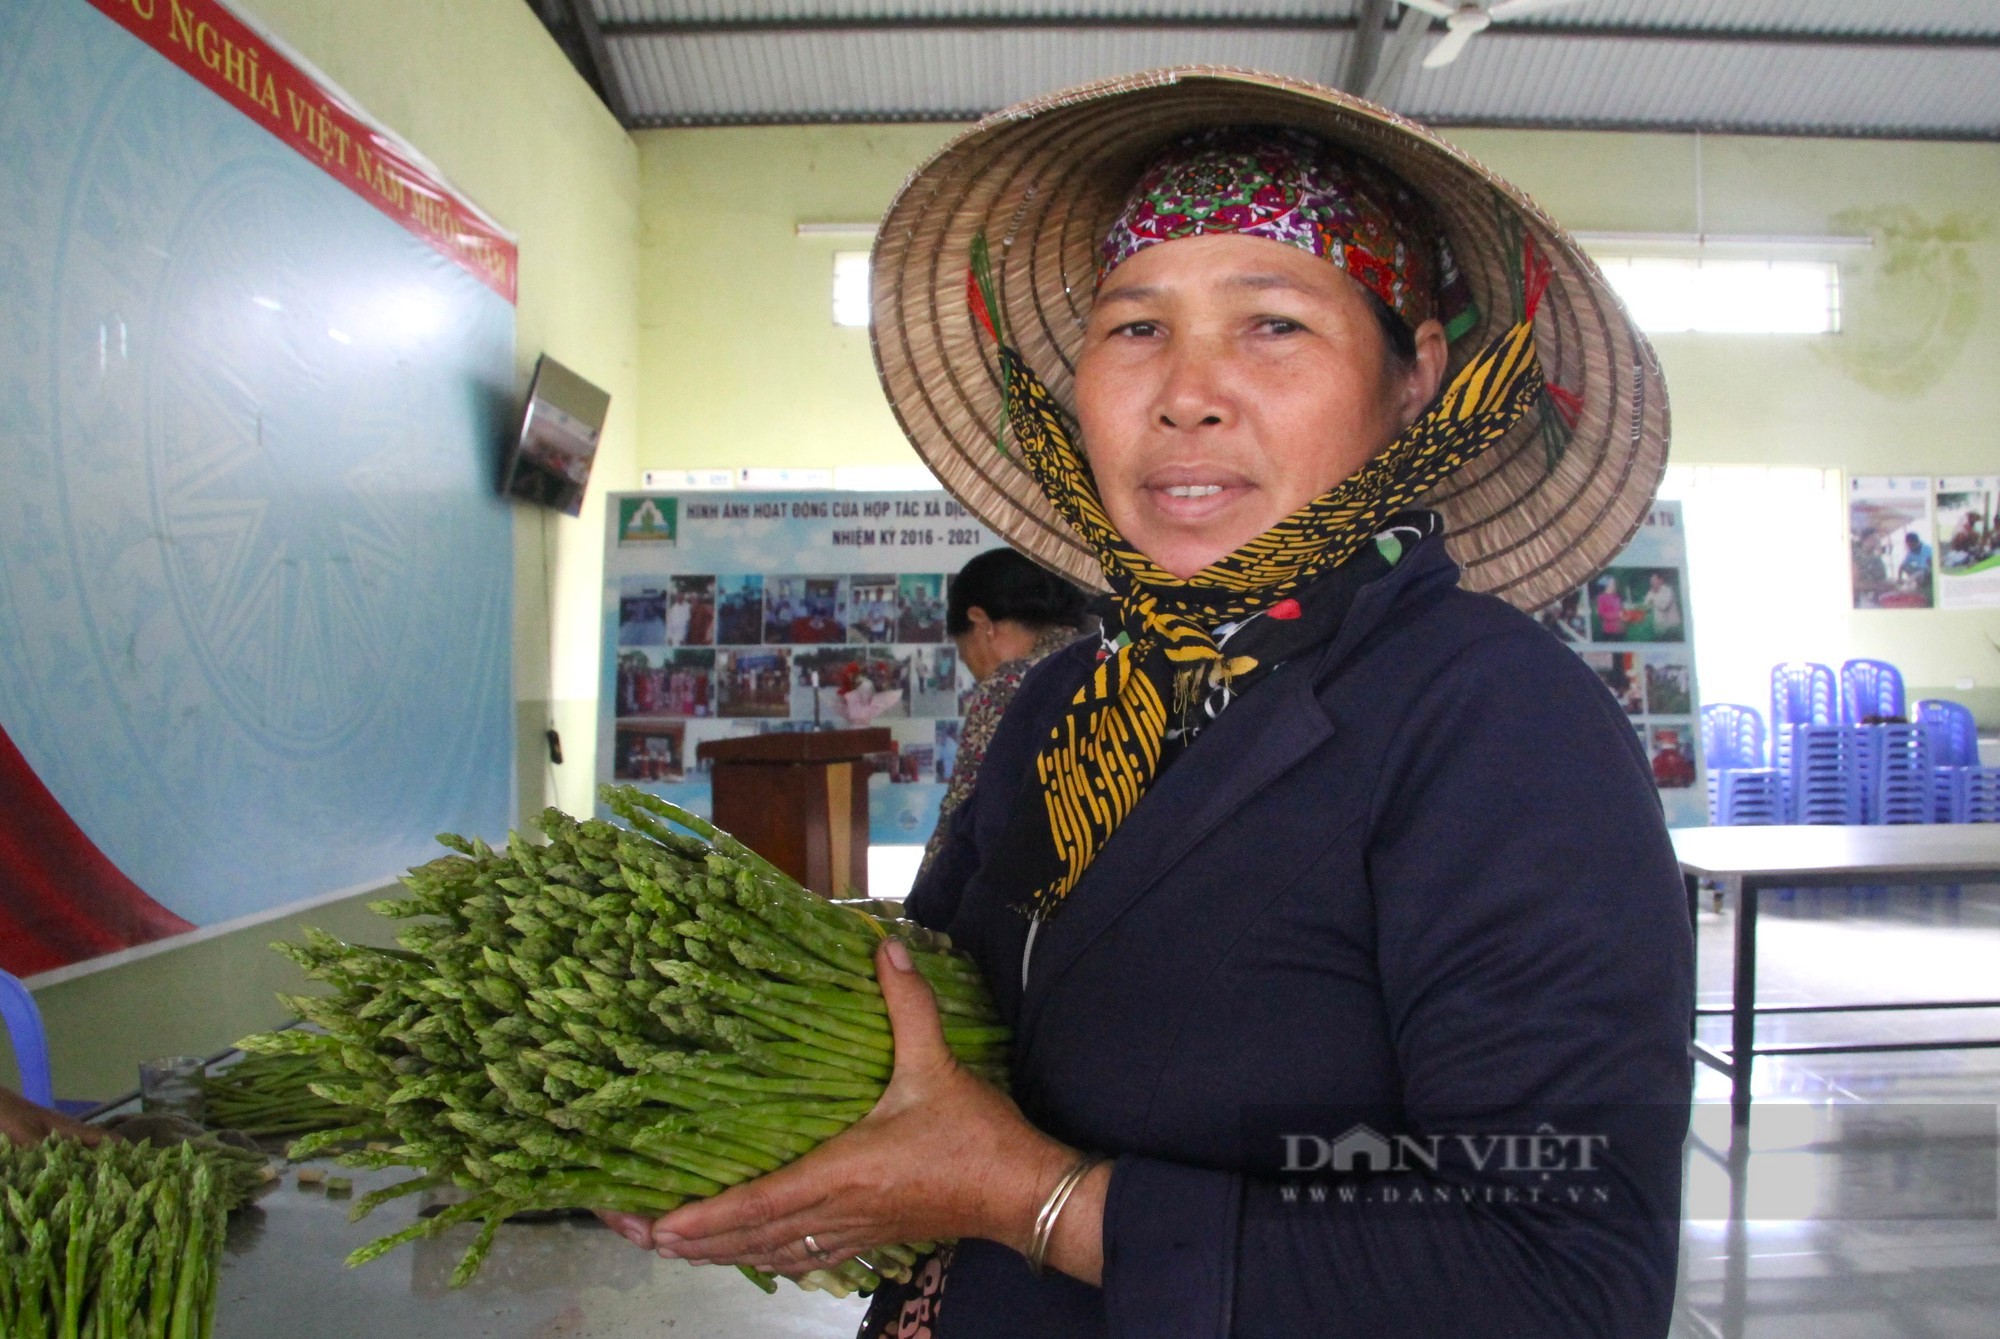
[1045,179]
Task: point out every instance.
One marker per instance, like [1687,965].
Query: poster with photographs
[1631,625]
[1889,541]
[738,613]
[1967,516]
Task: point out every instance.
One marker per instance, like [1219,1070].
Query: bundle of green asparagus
[269,1095]
[621,1018]
[117,1241]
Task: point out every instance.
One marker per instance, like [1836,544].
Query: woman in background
[1006,614]
[1611,621]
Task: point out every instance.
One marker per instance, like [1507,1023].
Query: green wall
[192,999]
[480,89]
[1906,387]
[742,364]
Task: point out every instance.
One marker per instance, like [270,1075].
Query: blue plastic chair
[1870,688]
[1732,736]
[1743,789]
[31,1044]
[1803,693]
[1954,735]
[1962,791]
[1818,760]
[1900,777]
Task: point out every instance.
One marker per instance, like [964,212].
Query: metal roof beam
[776,27]
[973,23]
[1766,129]
[1365,52]
[584,15]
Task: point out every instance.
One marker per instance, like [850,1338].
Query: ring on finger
[817,1251]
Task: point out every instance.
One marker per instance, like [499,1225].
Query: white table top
[1889,850]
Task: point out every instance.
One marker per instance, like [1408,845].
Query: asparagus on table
[616,1018]
[272,1095]
[120,1240]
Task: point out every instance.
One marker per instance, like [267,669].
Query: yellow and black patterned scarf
[1104,754]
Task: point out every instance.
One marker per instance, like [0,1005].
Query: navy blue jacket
[1417,880]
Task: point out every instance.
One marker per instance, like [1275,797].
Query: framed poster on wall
[1631,624]
[739,613]
[1967,508]
[1889,541]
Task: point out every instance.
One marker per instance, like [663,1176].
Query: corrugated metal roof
[925,75]
[1766,86]
[1918,68]
[1902,17]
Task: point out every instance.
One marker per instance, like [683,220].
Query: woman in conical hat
[1329,896]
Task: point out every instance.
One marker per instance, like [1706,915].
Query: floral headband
[1291,187]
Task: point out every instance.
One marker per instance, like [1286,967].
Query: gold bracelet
[1052,1207]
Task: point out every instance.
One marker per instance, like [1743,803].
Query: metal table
[1752,859]
[284,1277]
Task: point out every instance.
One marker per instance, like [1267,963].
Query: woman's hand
[22,1122]
[943,1154]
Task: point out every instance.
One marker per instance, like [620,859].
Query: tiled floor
[1863,1197]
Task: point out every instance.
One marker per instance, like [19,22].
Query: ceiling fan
[1469,18]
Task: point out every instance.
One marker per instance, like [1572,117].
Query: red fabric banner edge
[223,53]
[64,901]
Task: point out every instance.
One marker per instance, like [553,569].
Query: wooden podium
[800,800]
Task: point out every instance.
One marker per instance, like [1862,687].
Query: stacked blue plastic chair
[1962,790]
[1870,689]
[1742,788]
[1818,759]
[1898,779]
[31,1045]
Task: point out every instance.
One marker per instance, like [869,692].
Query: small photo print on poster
[1673,755]
[739,618]
[665,681]
[1669,686]
[920,617]
[804,610]
[1888,536]
[820,668]
[690,611]
[1568,618]
[947,747]
[650,751]
[934,671]
[642,611]
[871,608]
[857,686]
[874,690]
[1637,604]
[753,683]
[1620,672]
[914,763]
